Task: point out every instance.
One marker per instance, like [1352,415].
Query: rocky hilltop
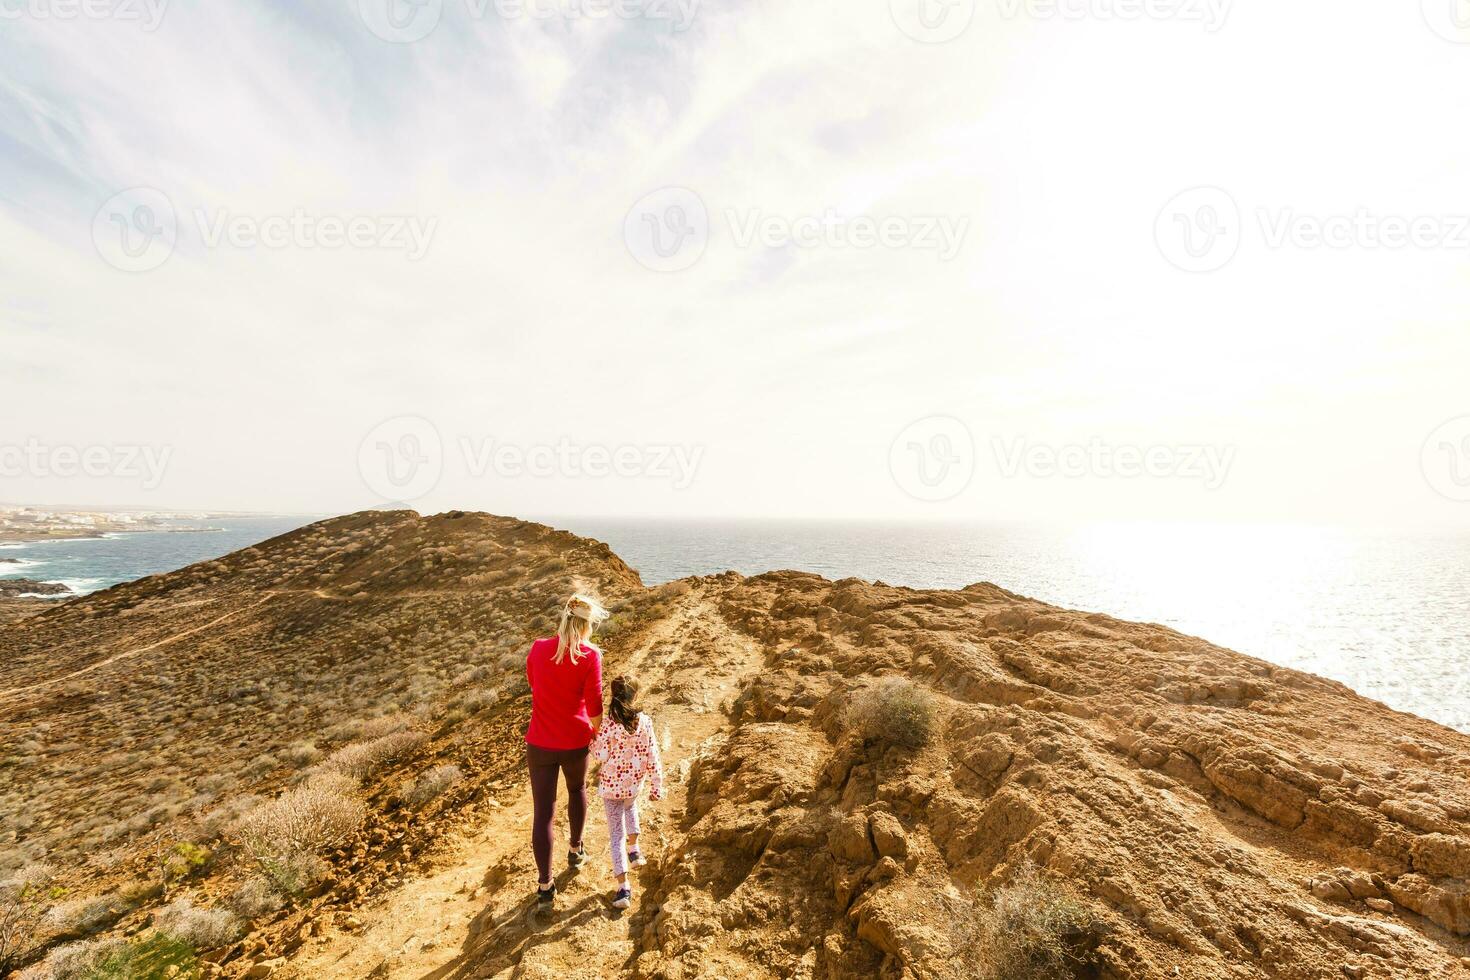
[866,781]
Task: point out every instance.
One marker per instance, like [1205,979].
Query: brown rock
[888,835]
[849,841]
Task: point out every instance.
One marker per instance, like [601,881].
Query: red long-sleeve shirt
[564,696]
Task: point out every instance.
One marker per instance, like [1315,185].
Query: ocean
[1385,612]
[89,564]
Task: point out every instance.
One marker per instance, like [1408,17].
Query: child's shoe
[577,858]
[624,898]
[636,859]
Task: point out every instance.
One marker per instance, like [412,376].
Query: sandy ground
[475,915]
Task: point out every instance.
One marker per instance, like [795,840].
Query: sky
[1042,260]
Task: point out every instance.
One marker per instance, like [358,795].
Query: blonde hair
[579,617]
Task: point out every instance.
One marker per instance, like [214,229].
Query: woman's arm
[592,692]
[601,744]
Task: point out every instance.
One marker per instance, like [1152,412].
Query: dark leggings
[545,764]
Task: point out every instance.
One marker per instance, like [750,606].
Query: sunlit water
[86,565]
[1386,613]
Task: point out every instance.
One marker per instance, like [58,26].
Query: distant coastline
[30,524]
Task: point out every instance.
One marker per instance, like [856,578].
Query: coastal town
[28,523]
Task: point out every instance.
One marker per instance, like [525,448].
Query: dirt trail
[474,916]
[127,654]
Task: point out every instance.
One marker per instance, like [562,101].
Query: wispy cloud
[526,140]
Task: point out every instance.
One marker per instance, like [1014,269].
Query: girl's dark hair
[624,707]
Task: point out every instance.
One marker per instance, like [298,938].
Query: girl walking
[628,752]
[565,673]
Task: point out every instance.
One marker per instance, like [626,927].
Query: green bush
[148,960]
[894,710]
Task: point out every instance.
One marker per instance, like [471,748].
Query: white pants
[622,820]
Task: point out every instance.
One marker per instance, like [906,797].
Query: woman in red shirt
[565,673]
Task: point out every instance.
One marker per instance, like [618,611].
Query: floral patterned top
[626,758]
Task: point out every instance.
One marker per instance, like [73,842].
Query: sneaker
[545,896]
[577,858]
[636,859]
[624,898]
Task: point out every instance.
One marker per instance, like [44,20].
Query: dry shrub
[329,781]
[217,822]
[301,820]
[1028,929]
[80,961]
[254,898]
[894,710]
[417,792]
[479,699]
[85,916]
[361,759]
[24,898]
[199,927]
[300,754]
[386,725]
